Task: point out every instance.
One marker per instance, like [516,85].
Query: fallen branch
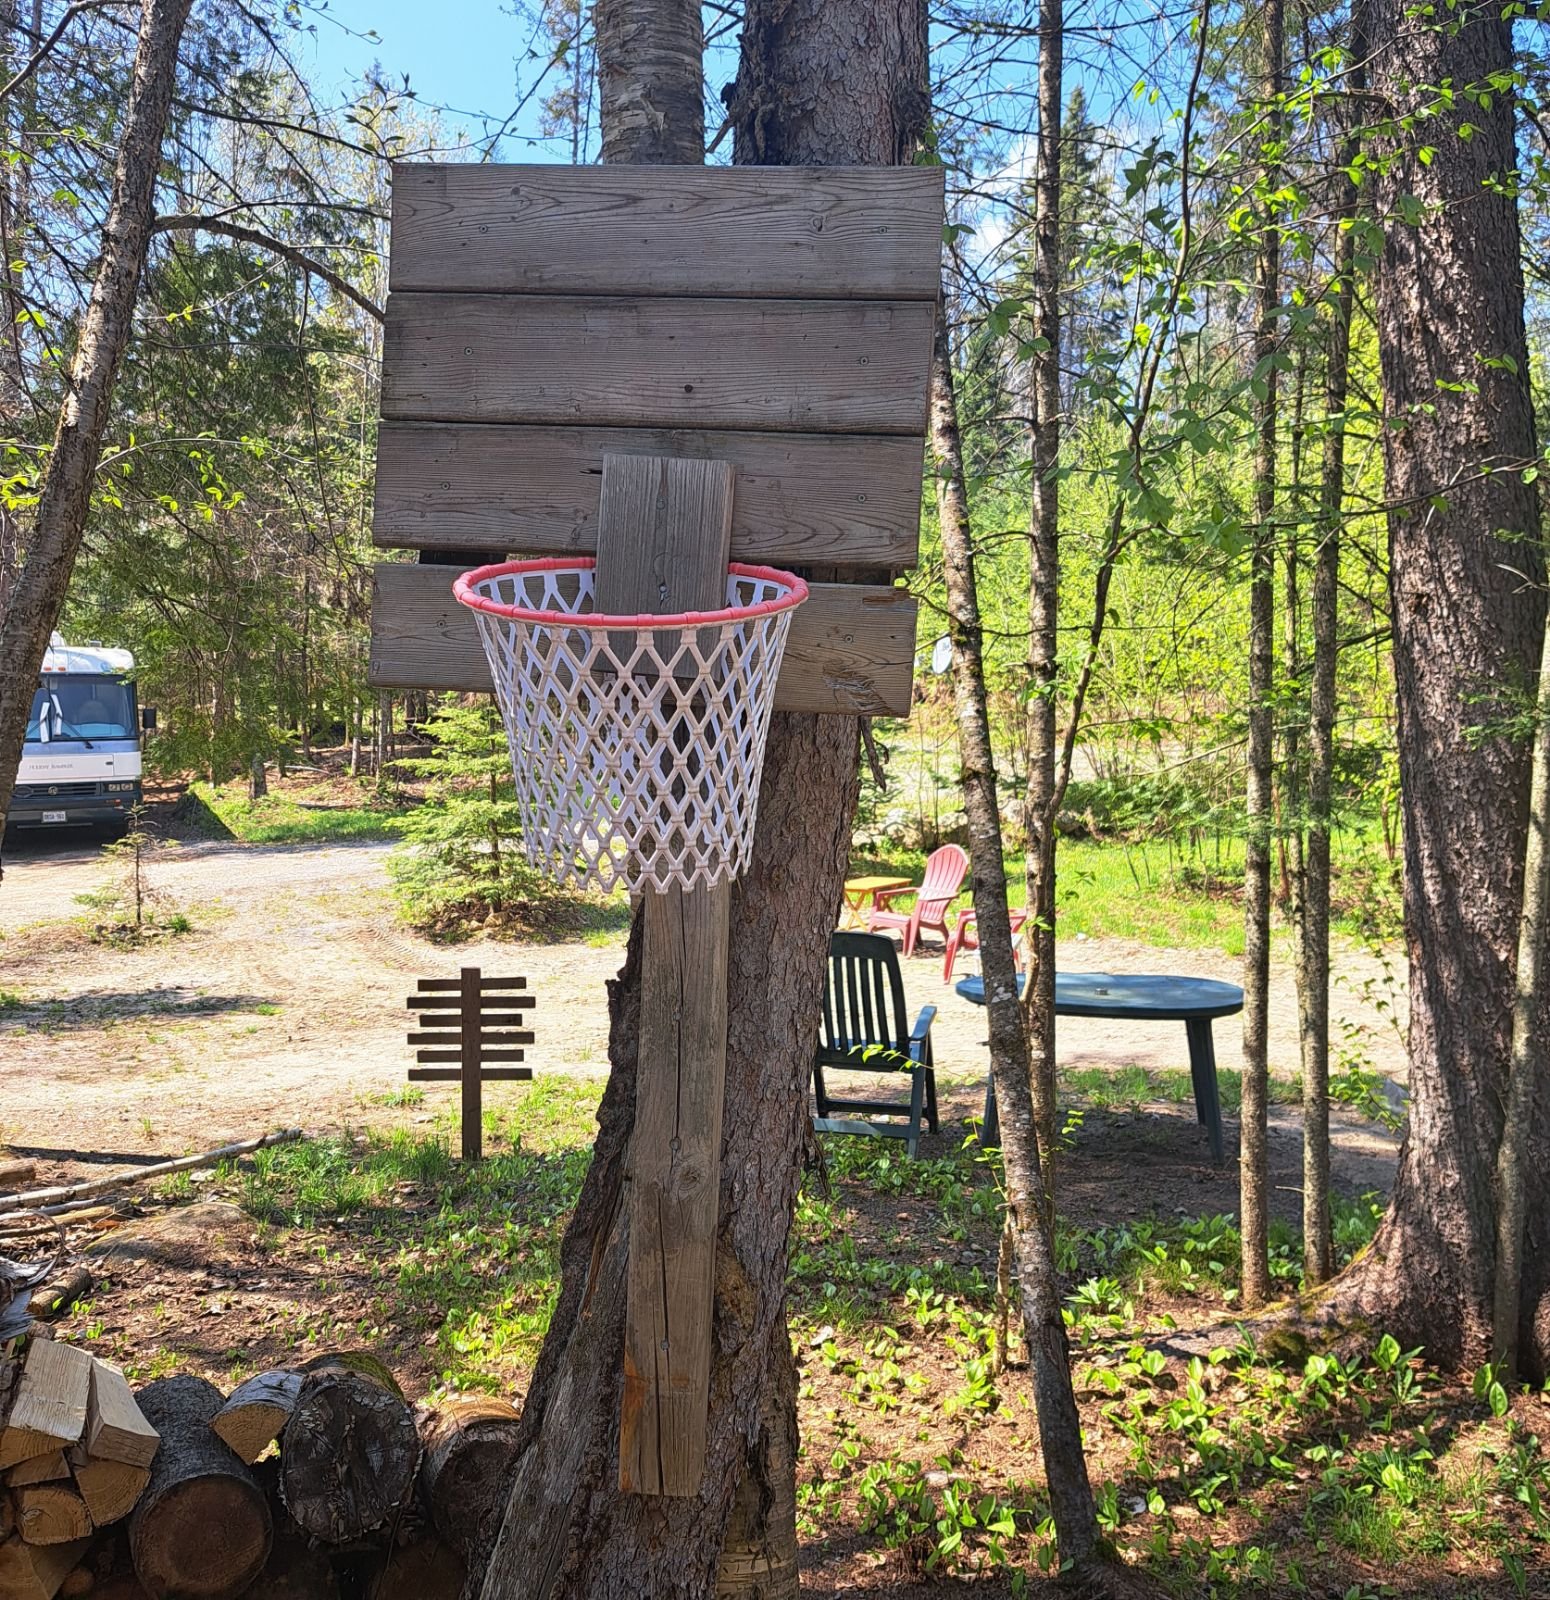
[34,1198]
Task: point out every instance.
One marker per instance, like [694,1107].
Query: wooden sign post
[666,366]
[476,1023]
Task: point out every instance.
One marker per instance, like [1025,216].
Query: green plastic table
[1143,997]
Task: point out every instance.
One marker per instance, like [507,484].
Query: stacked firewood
[209,1508]
[75,1454]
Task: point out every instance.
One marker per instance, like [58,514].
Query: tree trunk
[59,521]
[1467,630]
[1527,1069]
[1060,1428]
[818,82]
[651,81]
[1318,1251]
[1044,590]
[1252,1122]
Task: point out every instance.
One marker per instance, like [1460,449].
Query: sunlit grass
[1151,892]
[298,816]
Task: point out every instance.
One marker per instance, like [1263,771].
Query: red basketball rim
[463,590]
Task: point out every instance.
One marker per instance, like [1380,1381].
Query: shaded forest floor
[919,1471]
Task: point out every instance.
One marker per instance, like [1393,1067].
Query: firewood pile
[174,1490]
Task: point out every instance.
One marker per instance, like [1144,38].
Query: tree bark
[1467,631]
[1252,1123]
[1060,1428]
[59,522]
[651,81]
[818,82]
[1044,590]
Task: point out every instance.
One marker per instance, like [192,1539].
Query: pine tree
[458,864]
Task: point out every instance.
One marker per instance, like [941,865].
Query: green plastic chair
[865,1029]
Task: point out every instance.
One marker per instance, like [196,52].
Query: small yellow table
[859,890]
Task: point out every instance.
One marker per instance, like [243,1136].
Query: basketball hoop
[636,741]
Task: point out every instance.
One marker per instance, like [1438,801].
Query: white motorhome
[81,758]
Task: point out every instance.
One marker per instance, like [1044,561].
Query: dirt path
[286,1003]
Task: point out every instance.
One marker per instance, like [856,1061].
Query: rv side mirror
[147,717]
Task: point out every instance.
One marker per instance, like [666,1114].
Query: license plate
[53,816]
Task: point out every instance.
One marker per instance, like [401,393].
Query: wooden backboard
[779,318]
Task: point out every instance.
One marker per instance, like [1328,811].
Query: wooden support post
[663,540]
[473,1096]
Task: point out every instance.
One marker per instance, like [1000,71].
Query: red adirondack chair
[966,936]
[945,871]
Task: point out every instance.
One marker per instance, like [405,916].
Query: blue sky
[456,53]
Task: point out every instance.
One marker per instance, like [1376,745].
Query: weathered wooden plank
[458,1055]
[851,648]
[662,515]
[849,232]
[455,1074]
[808,366]
[663,542]
[848,500]
[675,1166]
[487,1019]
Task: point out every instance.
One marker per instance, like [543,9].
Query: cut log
[51,1513]
[202,1529]
[49,1411]
[469,1447]
[350,1452]
[257,1412]
[18,1172]
[59,1294]
[111,1489]
[425,1570]
[33,1572]
[40,1469]
[116,1429]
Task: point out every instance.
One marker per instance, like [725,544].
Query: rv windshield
[81,708]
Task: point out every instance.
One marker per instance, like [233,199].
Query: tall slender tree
[1042,799]
[1313,896]
[1254,1132]
[1060,1427]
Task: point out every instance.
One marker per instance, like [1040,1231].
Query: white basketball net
[636,749]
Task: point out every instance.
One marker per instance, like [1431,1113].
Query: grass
[1279,1469]
[1129,1088]
[1149,892]
[314,814]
